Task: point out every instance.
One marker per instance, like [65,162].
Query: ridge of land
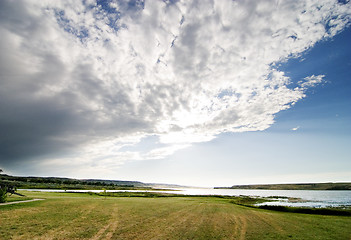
[294,186]
[72,183]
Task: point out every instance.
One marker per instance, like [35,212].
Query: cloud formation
[295,128]
[87,78]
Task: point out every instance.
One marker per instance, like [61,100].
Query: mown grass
[90,216]
[14,198]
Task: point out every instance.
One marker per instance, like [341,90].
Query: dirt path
[32,200]
[110,228]
[243,230]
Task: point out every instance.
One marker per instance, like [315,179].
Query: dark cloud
[38,120]
[32,127]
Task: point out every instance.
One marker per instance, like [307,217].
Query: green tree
[3,194]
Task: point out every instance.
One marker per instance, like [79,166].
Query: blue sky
[201,93]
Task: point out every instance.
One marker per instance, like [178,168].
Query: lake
[306,198]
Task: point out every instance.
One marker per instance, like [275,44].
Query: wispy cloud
[78,74]
[311,81]
[295,128]
[160,153]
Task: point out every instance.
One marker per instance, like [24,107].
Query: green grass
[90,216]
[14,198]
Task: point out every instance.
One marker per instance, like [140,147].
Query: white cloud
[184,71]
[295,128]
[311,81]
[160,153]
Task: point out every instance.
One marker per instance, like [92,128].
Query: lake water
[307,198]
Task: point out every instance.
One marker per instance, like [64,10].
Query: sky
[198,93]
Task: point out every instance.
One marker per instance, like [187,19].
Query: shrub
[3,195]
[319,211]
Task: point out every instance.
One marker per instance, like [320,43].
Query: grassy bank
[89,216]
[15,198]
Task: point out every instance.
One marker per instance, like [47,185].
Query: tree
[3,194]
[3,191]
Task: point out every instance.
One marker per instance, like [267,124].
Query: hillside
[297,186]
[71,183]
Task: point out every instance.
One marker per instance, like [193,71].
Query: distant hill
[71,183]
[296,186]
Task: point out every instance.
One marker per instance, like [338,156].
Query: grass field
[84,216]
